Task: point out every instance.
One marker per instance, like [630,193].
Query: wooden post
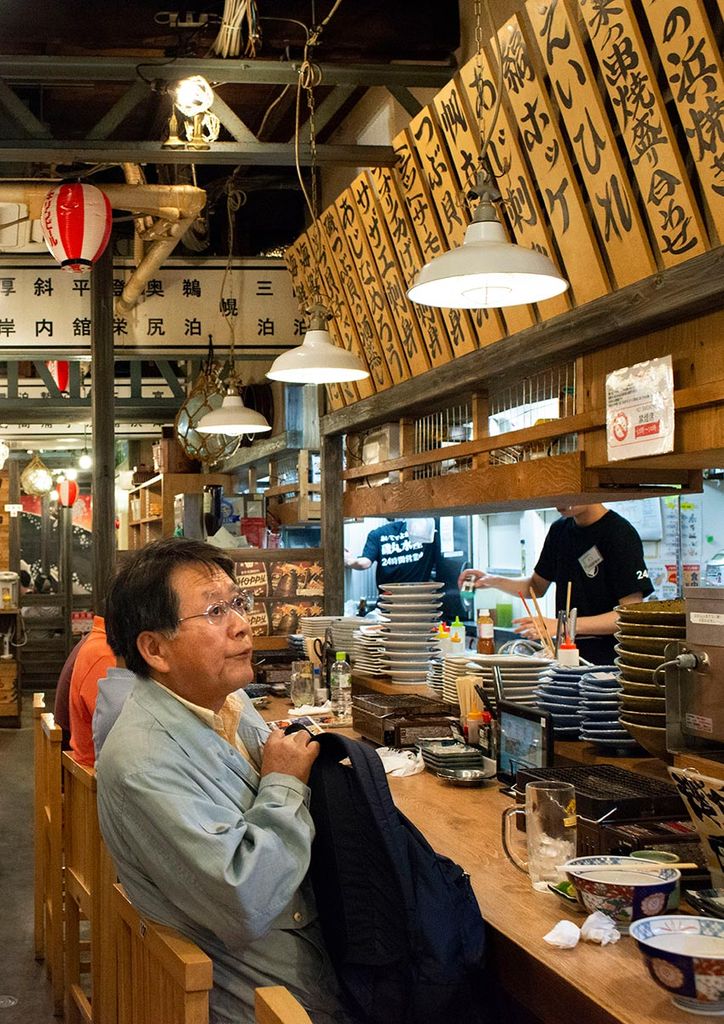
[65,572]
[102,421]
[332,525]
[13,521]
[480,405]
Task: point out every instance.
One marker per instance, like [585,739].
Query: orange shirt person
[94,659]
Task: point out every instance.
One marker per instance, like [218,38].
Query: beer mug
[550,826]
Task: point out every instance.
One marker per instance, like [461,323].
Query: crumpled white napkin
[401,762]
[565,935]
[599,927]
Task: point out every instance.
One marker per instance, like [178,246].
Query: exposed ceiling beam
[119,111]
[46,69]
[78,410]
[21,115]
[270,154]
[409,103]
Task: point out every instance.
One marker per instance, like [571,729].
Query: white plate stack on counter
[368,650]
[412,612]
[519,674]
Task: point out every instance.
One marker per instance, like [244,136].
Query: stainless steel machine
[695,677]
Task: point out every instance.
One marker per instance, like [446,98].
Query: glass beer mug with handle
[550,825]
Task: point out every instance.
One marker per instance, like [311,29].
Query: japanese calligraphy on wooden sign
[582,152]
[372,286]
[645,128]
[41,306]
[692,62]
[395,216]
[393,286]
[424,223]
[299,261]
[548,154]
[472,103]
[611,197]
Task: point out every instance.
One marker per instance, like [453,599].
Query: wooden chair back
[163,978]
[49,846]
[89,879]
[277,1005]
[38,806]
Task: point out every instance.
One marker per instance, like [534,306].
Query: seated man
[94,660]
[203,808]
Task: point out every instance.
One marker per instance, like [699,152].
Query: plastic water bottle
[340,684]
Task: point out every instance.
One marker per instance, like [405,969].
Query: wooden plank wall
[608,152]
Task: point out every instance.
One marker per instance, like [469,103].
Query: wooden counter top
[586,985]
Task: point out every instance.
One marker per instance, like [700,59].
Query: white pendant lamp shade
[317,361]
[487,271]
[233,419]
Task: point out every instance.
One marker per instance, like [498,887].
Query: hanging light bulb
[85,461]
[317,360]
[232,417]
[486,271]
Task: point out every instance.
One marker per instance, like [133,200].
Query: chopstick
[568,611]
[542,628]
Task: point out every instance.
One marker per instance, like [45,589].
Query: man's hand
[529,628]
[291,755]
[477,577]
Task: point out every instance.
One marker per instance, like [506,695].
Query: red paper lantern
[76,224]
[67,493]
[59,371]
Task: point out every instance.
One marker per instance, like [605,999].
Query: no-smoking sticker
[620,426]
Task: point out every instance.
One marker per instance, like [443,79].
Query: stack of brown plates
[644,630]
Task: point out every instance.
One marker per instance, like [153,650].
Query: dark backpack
[400,922]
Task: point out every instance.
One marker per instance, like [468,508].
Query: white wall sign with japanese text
[640,409]
[44,307]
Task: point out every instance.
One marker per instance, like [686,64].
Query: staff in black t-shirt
[601,554]
[404,552]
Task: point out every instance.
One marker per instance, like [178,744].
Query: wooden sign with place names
[373,287]
[646,130]
[546,148]
[338,255]
[413,187]
[394,288]
[692,62]
[394,217]
[612,200]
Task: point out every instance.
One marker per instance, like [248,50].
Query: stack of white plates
[368,650]
[411,614]
[434,676]
[452,668]
[342,630]
[314,625]
[519,675]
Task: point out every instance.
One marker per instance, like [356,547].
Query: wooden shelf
[153,516]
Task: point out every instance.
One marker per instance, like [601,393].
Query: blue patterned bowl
[685,955]
[622,887]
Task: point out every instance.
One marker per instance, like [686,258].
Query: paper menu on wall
[682,526]
[643,514]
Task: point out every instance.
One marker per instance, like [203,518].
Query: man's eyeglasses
[241,603]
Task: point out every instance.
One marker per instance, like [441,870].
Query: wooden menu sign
[465,103]
[646,130]
[548,155]
[691,59]
[612,200]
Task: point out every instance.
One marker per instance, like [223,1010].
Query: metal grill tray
[381,704]
[605,787]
